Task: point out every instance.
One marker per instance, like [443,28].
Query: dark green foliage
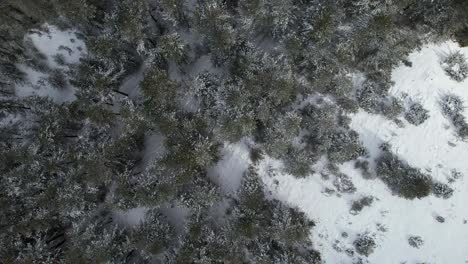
[155,234]
[343,183]
[363,165]
[402,179]
[298,161]
[57,79]
[128,20]
[442,190]
[392,108]
[255,230]
[440,16]
[462,36]
[416,114]
[452,108]
[160,93]
[328,135]
[359,204]
[456,66]
[372,97]
[281,133]
[215,24]
[365,245]
[172,48]
[345,146]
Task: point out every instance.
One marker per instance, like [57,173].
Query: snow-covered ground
[432,147]
[55,46]
[229,170]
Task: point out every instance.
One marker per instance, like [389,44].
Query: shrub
[155,233]
[59,59]
[371,96]
[57,79]
[451,105]
[391,108]
[415,241]
[416,114]
[345,146]
[454,175]
[358,205]
[363,165]
[440,219]
[279,136]
[462,36]
[368,96]
[364,245]
[455,65]
[402,179]
[442,190]
[452,108]
[297,162]
[344,184]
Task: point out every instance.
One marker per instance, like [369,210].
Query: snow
[54,41]
[51,41]
[177,215]
[390,219]
[204,64]
[229,170]
[154,148]
[36,85]
[132,217]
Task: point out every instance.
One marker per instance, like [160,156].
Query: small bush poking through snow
[59,59]
[415,241]
[451,105]
[454,175]
[402,179]
[440,219]
[392,108]
[297,162]
[344,184]
[256,155]
[358,205]
[345,147]
[365,245]
[363,165]
[452,108]
[57,79]
[416,114]
[442,190]
[455,66]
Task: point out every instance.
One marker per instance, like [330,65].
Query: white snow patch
[154,148]
[203,64]
[36,85]
[228,172]
[131,217]
[51,42]
[392,219]
[177,216]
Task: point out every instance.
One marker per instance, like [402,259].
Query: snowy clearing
[57,51]
[433,147]
[229,170]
